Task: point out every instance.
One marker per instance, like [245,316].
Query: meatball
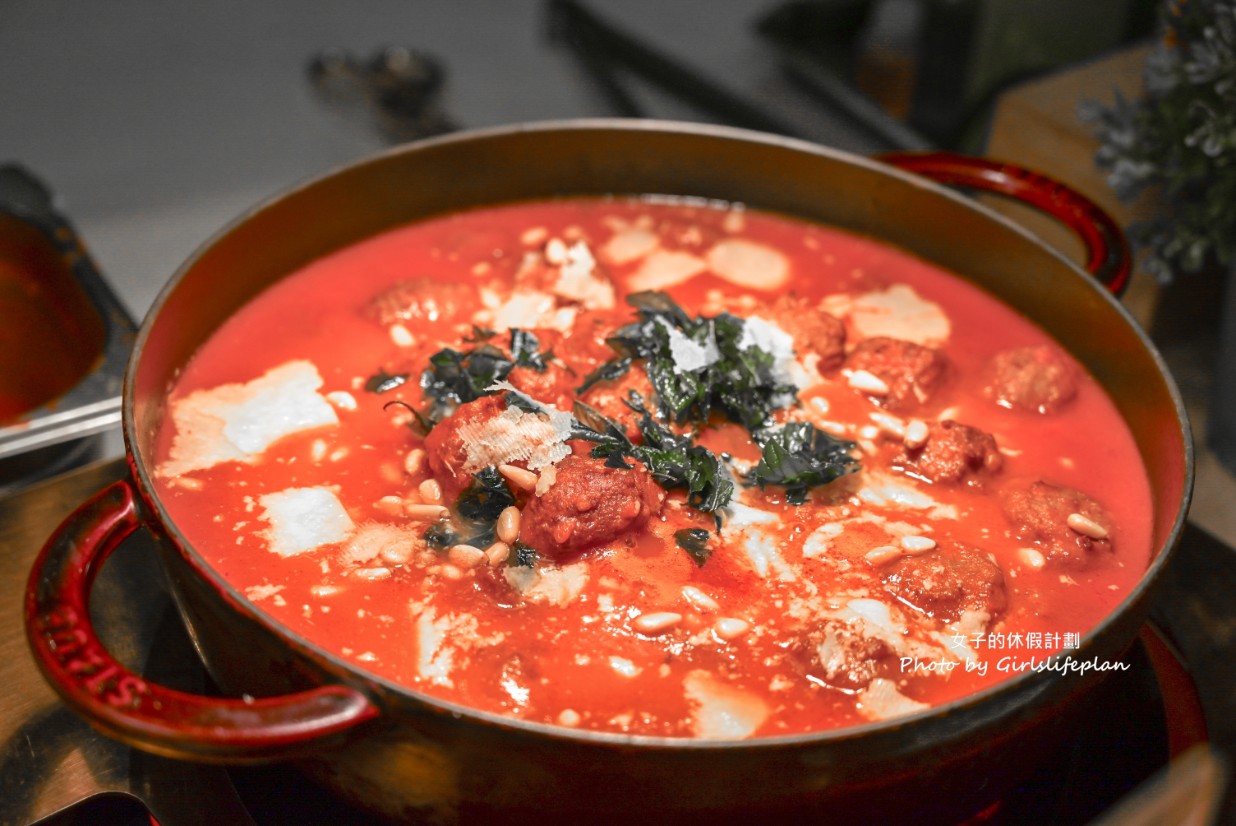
[911,373]
[813,330]
[589,504]
[839,655]
[1066,524]
[1038,379]
[609,398]
[946,583]
[446,449]
[421,300]
[552,386]
[952,453]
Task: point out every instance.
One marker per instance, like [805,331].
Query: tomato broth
[655,466]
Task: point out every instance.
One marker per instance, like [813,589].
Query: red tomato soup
[656,467]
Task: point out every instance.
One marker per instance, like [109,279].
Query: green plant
[1179,137]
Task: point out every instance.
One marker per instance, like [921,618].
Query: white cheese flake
[238,422]
[302,519]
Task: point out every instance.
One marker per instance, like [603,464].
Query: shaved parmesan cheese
[881,700]
[748,264]
[665,268]
[302,519]
[539,439]
[720,710]
[237,422]
[686,354]
[899,312]
[578,280]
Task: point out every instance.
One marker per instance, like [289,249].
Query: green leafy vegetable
[731,375]
[695,542]
[522,556]
[798,456]
[673,460]
[477,509]
[455,377]
[382,381]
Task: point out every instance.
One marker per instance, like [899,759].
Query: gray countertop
[157,123]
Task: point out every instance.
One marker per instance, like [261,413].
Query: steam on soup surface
[655,466]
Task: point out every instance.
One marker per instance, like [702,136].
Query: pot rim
[355,676]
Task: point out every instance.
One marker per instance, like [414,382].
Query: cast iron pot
[421,759]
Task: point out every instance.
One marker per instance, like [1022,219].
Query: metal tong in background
[604,52]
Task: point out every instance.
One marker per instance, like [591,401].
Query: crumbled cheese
[721,711]
[374,539]
[433,659]
[548,584]
[748,264]
[302,519]
[259,592]
[665,268]
[899,312]
[237,422]
[884,491]
[881,700]
[539,439]
[762,551]
[820,541]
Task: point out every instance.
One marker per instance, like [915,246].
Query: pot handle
[1107,250]
[142,714]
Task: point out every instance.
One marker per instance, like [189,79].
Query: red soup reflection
[656,466]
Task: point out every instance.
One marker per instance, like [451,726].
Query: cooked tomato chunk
[946,583]
[1034,378]
[420,300]
[1064,523]
[910,373]
[953,452]
[589,504]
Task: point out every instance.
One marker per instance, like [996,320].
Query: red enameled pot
[416,758]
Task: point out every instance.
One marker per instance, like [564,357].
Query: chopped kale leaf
[486,496]
[455,377]
[382,381]
[673,460]
[477,510]
[522,556]
[798,456]
[727,374]
[609,371]
[695,542]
